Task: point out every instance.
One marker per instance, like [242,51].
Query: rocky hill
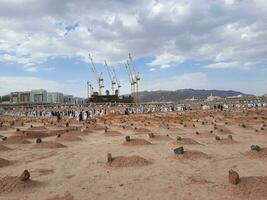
[163,95]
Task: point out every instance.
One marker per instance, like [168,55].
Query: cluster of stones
[109,157]
[151,135]
[178,138]
[38,140]
[127,138]
[233,177]
[217,138]
[25,176]
[255,148]
[179,151]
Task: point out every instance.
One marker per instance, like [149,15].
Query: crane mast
[89,89]
[131,78]
[116,79]
[136,77]
[99,78]
[113,82]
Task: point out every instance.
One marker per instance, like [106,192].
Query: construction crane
[136,77]
[99,78]
[116,79]
[90,89]
[131,78]
[112,79]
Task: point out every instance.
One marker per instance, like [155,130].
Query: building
[213,98]
[78,101]
[95,98]
[5,99]
[55,97]
[38,96]
[15,97]
[68,99]
[19,97]
[25,97]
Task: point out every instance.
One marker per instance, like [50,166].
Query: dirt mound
[3,128]
[16,139]
[137,142]
[193,155]
[42,172]
[130,161]
[205,134]
[75,133]
[4,148]
[37,128]
[112,133]
[226,141]
[10,184]
[185,141]
[189,125]
[69,137]
[161,138]
[35,134]
[96,128]
[4,162]
[72,128]
[256,154]
[67,196]
[48,145]
[222,130]
[141,131]
[253,187]
[87,130]
[175,129]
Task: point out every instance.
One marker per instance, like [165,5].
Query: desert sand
[70,162]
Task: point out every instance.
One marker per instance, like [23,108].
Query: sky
[175,44]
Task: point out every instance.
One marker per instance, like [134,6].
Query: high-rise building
[38,96]
[20,97]
[55,97]
[79,101]
[68,99]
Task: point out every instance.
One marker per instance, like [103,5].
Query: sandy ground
[73,165]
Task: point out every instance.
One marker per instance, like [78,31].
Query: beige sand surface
[80,171]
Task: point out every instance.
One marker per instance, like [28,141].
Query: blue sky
[175,44]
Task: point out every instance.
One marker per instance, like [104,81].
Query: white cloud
[13,83]
[170,30]
[224,65]
[26,83]
[229,65]
[197,80]
[165,60]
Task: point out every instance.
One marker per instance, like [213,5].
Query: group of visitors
[85,112]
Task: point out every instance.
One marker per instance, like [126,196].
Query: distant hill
[163,95]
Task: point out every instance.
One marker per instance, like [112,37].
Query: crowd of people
[89,111]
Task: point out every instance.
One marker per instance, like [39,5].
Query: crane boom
[93,65]
[109,73]
[136,77]
[116,78]
[111,77]
[99,78]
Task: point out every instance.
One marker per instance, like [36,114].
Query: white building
[79,101]
[38,96]
[213,98]
[68,99]
[55,97]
